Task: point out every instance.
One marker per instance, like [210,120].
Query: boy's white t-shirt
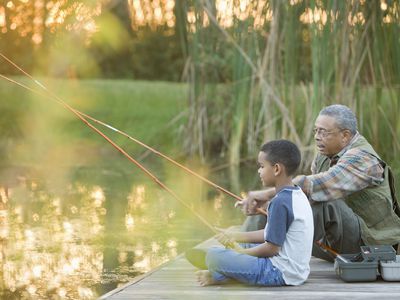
[290,225]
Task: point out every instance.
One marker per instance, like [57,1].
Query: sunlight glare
[129,222]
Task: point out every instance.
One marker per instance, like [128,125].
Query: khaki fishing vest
[376,207]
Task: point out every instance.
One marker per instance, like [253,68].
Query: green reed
[274,80]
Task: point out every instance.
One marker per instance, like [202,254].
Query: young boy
[280,254]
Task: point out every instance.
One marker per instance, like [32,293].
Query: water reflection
[94,235]
[45,251]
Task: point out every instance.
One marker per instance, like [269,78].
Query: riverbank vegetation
[250,71]
[280,62]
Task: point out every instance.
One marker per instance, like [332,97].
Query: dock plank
[176,280]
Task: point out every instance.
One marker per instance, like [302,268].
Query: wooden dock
[176,280]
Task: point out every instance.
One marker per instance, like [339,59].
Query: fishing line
[238,198]
[65,105]
[163,186]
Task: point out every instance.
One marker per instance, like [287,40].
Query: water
[93,229]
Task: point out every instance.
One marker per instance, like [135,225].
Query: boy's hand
[224,236]
[252,204]
[227,238]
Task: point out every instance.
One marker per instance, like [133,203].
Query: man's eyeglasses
[323,132]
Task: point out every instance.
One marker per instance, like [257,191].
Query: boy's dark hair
[283,152]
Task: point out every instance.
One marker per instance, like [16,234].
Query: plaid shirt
[351,170]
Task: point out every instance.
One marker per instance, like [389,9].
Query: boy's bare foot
[204,278]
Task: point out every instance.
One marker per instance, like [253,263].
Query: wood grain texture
[176,280]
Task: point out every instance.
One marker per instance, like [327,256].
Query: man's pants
[335,225]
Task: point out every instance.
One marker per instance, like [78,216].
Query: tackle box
[378,253]
[354,270]
[390,270]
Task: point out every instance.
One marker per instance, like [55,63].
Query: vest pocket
[371,210]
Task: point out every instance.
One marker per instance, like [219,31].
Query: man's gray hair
[344,117]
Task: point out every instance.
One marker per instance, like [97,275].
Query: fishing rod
[152,176]
[228,244]
[326,248]
[238,198]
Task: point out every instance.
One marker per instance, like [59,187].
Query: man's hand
[255,201]
[251,207]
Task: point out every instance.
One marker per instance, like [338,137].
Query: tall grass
[276,77]
[32,127]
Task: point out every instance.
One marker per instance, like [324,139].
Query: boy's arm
[241,237]
[263,250]
[249,236]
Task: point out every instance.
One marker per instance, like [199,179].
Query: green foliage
[34,128]
[276,78]
[71,50]
[156,56]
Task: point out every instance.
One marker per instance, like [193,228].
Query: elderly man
[351,189]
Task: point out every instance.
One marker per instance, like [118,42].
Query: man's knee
[338,225]
[333,212]
[253,223]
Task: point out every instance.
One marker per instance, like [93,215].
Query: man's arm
[354,171]
[254,200]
